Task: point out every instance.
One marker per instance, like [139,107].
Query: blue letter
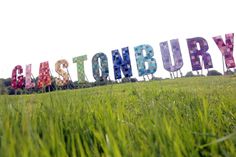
[124,65]
[104,67]
[140,60]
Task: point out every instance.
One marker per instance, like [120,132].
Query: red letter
[44,78]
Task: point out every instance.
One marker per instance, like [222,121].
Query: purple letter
[178,61]
[194,53]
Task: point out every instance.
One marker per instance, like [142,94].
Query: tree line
[6,89]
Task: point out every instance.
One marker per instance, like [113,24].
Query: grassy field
[190,117]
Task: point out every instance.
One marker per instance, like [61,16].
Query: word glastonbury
[197,46]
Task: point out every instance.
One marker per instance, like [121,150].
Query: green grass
[190,117]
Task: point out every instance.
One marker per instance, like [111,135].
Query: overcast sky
[48,30]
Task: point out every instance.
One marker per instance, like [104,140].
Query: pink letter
[28,83]
[226,48]
[17,81]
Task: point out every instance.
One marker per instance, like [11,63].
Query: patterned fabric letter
[100,71]
[140,60]
[178,60]
[44,78]
[61,72]
[17,81]
[121,64]
[226,48]
[28,83]
[80,67]
[194,53]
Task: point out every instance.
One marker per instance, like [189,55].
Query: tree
[189,74]
[7,82]
[10,90]
[213,73]
[125,79]
[2,87]
[229,72]
[133,80]
[156,78]
[100,82]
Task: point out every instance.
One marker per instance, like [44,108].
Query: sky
[33,31]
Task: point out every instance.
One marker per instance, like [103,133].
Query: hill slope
[184,117]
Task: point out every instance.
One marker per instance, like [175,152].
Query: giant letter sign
[120,64]
[226,48]
[178,61]
[103,66]
[140,60]
[61,72]
[28,83]
[44,78]
[80,67]
[17,81]
[195,53]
